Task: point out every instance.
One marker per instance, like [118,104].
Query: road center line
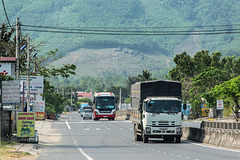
[68,125]
[82,152]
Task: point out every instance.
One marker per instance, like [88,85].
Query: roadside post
[219,108]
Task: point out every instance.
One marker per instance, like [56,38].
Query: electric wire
[106,31]
[6,13]
[143,31]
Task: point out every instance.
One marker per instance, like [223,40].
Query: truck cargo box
[156,89]
[160,88]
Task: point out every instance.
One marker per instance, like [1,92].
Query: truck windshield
[105,103]
[87,110]
[163,106]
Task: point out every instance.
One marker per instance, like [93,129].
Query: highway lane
[103,139]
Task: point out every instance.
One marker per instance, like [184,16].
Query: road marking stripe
[82,152]
[68,125]
[213,147]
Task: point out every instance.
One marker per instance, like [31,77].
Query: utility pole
[120,100]
[17,48]
[28,74]
[71,99]
[1,123]
[17,70]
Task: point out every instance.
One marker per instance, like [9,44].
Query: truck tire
[145,139]
[178,139]
[136,136]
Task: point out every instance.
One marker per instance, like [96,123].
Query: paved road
[73,138]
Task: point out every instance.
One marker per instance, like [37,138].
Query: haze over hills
[88,32]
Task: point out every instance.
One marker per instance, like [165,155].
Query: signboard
[39,106]
[25,98]
[10,92]
[187,111]
[205,110]
[39,109]
[25,124]
[6,69]
[219,104]
[36,84]
[40,115]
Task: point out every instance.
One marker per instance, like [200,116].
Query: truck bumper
[158,132]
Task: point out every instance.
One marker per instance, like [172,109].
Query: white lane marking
[70,118]
[82,152]
[98,129]
[108,129]
[68,125]
[86,129]
[224,149]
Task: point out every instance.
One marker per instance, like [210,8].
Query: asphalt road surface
[114,140]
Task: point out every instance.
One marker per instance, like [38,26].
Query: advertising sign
[219,104]
[11,93]
[205,110]
[6,69]
[36,84]
[40,115]
[187,111]
[39,109]
[25,98]
[25,124]
[38,106]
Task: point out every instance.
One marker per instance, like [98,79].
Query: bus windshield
[163,106]
[105,103]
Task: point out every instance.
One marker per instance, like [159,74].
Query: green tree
[228,91]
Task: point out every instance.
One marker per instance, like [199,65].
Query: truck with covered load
[157,110]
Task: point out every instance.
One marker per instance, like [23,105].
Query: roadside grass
[8,152]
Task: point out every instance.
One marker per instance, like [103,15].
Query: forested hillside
[129,15]
[166,27]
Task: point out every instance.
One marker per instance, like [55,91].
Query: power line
[6,14]
[82,30]
[136,33]
[99,30]
[163,27]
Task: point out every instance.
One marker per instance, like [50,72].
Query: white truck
[157,110]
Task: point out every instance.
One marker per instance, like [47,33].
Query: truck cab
[161,118]
[87,113]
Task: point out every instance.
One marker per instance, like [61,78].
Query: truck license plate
[163,128]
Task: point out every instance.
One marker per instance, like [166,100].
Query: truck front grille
[163,123]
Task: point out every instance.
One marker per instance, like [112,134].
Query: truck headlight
[179,130]
[148,130]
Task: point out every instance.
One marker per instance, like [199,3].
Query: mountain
[76,27]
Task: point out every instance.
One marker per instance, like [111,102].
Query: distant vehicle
[82,106]
[104,106]
[79,110]
[87,113]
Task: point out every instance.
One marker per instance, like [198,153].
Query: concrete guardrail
[225,134]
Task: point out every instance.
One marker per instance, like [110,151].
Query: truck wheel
[136,136]
[145,139]
[178,139]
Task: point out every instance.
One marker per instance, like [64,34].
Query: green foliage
[229,91]
[200,74]
[134,14]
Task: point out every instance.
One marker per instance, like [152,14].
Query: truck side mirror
[140,107]
[185,106]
